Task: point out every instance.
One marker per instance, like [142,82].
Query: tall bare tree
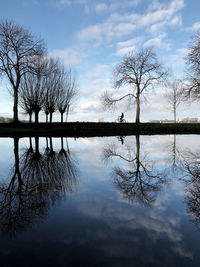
[52,85]
[174,96]
[17,51]
[193,68]
[67,92]
[139,72]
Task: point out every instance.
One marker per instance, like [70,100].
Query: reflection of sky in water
[96,225]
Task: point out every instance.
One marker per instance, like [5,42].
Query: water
[113,201]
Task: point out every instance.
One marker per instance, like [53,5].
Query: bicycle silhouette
[120,118]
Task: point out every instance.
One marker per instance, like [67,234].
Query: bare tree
[138,71]
[31,93]
[67,92]
[52,85]
[137,181]
[17,51]
[33,86]
[25,104]
[192,89]
[174,96]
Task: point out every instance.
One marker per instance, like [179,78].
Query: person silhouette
[121,117]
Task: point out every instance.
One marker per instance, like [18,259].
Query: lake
[109,201]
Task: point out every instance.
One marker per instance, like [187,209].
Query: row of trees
[37,82]
[50,92]
[141,71]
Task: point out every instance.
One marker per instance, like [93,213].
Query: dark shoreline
[92,129]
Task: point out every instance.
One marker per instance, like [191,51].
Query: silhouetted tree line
[38,180]
[49,93]
[37,82]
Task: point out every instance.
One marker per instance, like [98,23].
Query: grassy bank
[89,129]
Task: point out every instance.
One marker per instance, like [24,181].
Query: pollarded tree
[175,96]
[67,92]
[138,71]
[32,93]
[17,51]
[52,84]
[33,85]
[25,103]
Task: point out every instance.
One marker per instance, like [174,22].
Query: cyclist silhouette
[121,117]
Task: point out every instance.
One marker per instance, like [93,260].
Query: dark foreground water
[116,201]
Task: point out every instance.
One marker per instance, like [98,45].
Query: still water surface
[113,201]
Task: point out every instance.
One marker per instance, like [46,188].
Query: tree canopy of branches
[18,48]
[67,92]
[139,71]
[137,181]
[175,96]
[32,88]
[193,62]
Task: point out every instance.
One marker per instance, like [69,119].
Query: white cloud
[158,27]
[130,42]
[122,24]
[178,58]
[129,45]
[98,71]
[100,8]
[105,32]
[125,50]
[194,28]
[162,14]
[68,56]
[158,42]
[176,21]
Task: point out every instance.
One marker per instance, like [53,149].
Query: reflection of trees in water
[37,182]
[175,156]
[191,166]
[139,180]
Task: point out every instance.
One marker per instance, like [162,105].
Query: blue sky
[94,35]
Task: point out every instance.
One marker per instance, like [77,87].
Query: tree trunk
[36,116]
[46,118]
[51,144]
[137,140]
[62,145]
[174,115]
[47,146]
[137,120]
[30,143]
[15,107]
[51,116]
[16,153]
[30,117]
[37,150]
[17,169]
[61,116]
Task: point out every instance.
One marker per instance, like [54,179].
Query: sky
[93,36]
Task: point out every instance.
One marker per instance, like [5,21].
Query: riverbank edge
[91,129]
